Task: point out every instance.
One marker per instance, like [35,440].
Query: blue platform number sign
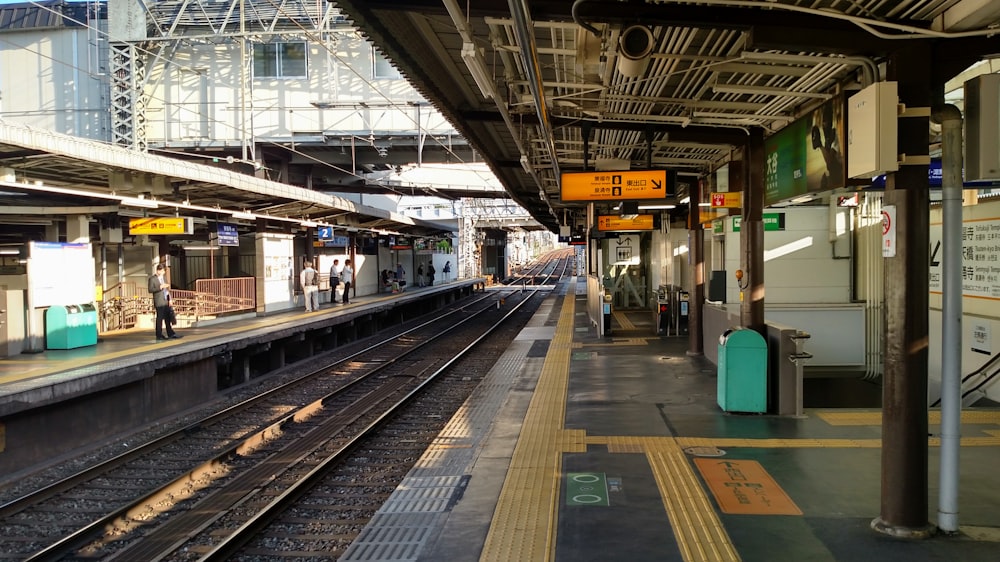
[228,234]
[324,233]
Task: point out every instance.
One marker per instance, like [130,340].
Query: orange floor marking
[744,487]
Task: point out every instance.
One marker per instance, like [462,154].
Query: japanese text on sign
[980,258]
[602,186]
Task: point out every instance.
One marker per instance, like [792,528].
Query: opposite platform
[577,448]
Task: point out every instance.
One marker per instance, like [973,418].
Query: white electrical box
[872,131]
[982,128]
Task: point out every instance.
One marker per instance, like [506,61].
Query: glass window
[382,67]
[279,60]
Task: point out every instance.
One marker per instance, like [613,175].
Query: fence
[124,303]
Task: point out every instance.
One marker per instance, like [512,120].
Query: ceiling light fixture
[473,59]
[139,202]
[243,215]
[766,91]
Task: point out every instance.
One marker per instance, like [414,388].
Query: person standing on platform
[160,290]
[420,275]
[447,271]
[309,279]
[334,280]
[347,277]
[400,276]
[430,274]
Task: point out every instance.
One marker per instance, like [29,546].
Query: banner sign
[807,156]
[605,186]
[161,225]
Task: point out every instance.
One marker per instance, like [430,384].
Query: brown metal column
[904,387]
[696,249]
[752,234]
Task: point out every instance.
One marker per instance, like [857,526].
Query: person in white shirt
[334,280]
[309,279]
[347,277]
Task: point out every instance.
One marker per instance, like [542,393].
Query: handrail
[984,367]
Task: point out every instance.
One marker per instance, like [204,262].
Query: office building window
[279,60]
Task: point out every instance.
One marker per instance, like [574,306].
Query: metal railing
[124,303]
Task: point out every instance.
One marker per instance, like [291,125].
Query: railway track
[180,495]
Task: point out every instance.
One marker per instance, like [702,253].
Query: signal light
[663,307]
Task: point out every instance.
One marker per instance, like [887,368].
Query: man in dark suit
[160,290]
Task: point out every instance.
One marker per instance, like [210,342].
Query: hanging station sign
[161,225]
[612,223]
[611,186]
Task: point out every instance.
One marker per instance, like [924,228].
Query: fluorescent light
[310,224]
[243,215]
[740,116]
[685,201]
[704,204]
[200,247]
[766,91]
[139,202]
[657,206]
[477,67]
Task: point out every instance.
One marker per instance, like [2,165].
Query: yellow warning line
[722,443]
[934,417]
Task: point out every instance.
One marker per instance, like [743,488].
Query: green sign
[807,156]
[772,221]
[587,488]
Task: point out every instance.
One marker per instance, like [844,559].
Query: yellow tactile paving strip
[525,520]
[623,320]
[524,523]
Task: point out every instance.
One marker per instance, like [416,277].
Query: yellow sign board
[160,225]
[610,186]
[613,223]
[745,487]
[727,199]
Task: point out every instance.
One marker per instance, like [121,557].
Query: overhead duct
[635,45]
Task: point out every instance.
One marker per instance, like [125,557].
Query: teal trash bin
[70,326]
[742,371]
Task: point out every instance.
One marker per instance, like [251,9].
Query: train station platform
[60,399]
[579,448]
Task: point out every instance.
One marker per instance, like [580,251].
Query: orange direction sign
[612,223]
[744,487]
[604,186]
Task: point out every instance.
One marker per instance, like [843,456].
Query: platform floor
[578,448]
[27,371]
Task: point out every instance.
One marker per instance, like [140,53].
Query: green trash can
[70,326]
[742,371]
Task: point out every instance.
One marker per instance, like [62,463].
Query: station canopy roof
[44,174]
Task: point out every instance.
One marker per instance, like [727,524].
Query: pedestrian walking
[430,274]
[309,279]
[347,278]
[420,275]
[447,271]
